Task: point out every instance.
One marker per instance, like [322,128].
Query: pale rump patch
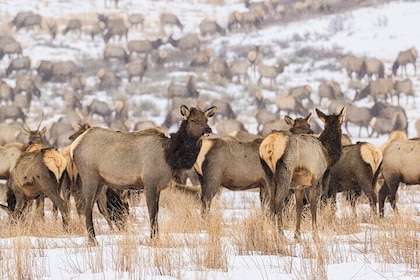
[205,147]
[371,155]
[272,149]
[55,162]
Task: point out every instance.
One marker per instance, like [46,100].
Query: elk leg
[152,200]
[209,189]
[299,195]
[101,203]
[61,205]
[279,191]
[313,200]
[40,207]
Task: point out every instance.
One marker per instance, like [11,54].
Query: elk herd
[288,157]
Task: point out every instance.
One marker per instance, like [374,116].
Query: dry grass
[188,242]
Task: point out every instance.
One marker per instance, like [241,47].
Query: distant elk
[7,94]
[355,65]
[330,90]
[300,162]
[74,26]
[9,49]
[26,20]
[169,19]
[360,116]
[12,112]
[28,85]
[19,64]
[186,43]
[388,118]
[271,72]
[149,149]
[116,52]
[210,27]
[113,27]
[188,90]
[301,93]
[136,19]
[406,87]
[108,79]
[220,68]
[289,104]
[404,58]
[255,57]
[239,68]
[59,71]
[377,89]
[201,58]
[143,46]
[137,69]
[100,108]
[374,67]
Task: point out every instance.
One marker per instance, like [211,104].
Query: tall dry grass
[190,243]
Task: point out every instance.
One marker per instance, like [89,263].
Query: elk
[404,58]
[74,25]
[360,116]
[52,28]
[100,108]
[201,58]
[113,27]
[387,118]
[375,67]
[148,149]
[108,78]
[255,57]
[357,170]
[62,70]
[136,20]
[11,112]
[380,88]
[271,72]
[299,162]
[187,90]
[288,103]
[330,90]
[44,70]
[26,20]
[188,42]
[219,67]
[234,164]
[239,68]
[355,65]
[6,92]
[117,52]
[17,64]
[137,69]
[226,127]
[406,87]
[264,116]
[224,109]
[143,46]
[399,165]
[27,84]
[210,27]
[169,19]
[9,49]
[78,83]
[301,93]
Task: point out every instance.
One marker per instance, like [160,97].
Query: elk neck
[331,140]
[182,149]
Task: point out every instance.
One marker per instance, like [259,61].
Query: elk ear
[185,112]
[289,120]
[210,111]
[308,118]
[342,115]
[320,114]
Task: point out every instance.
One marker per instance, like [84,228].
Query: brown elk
[181,90]
[380,88]
[219,67]
[143,46]
[288,103]
[330,90]
[399,165]
[404,58]
[6,92]
[137,69]
[28,85]
[299,162]
[169,19]
[406,87]
[387,118]
[113,27]
[375,67]
[136,20]
[108,78]
[360,116]
[116,52]
[201,58]
[226,127]
[10,49]
[239,68]
[26,20]
[356,65]
[18,64]
[100,108]
[301,93]
[234,164]
[271,72]
[149,149]
[210,27]
[74,26]
[63,70]
[188,42]
[357,170]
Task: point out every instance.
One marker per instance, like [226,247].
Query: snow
[380,31]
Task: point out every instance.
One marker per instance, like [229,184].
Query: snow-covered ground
[380,31]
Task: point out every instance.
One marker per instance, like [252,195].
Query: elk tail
[55,162]
[371,155]
[272,149]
